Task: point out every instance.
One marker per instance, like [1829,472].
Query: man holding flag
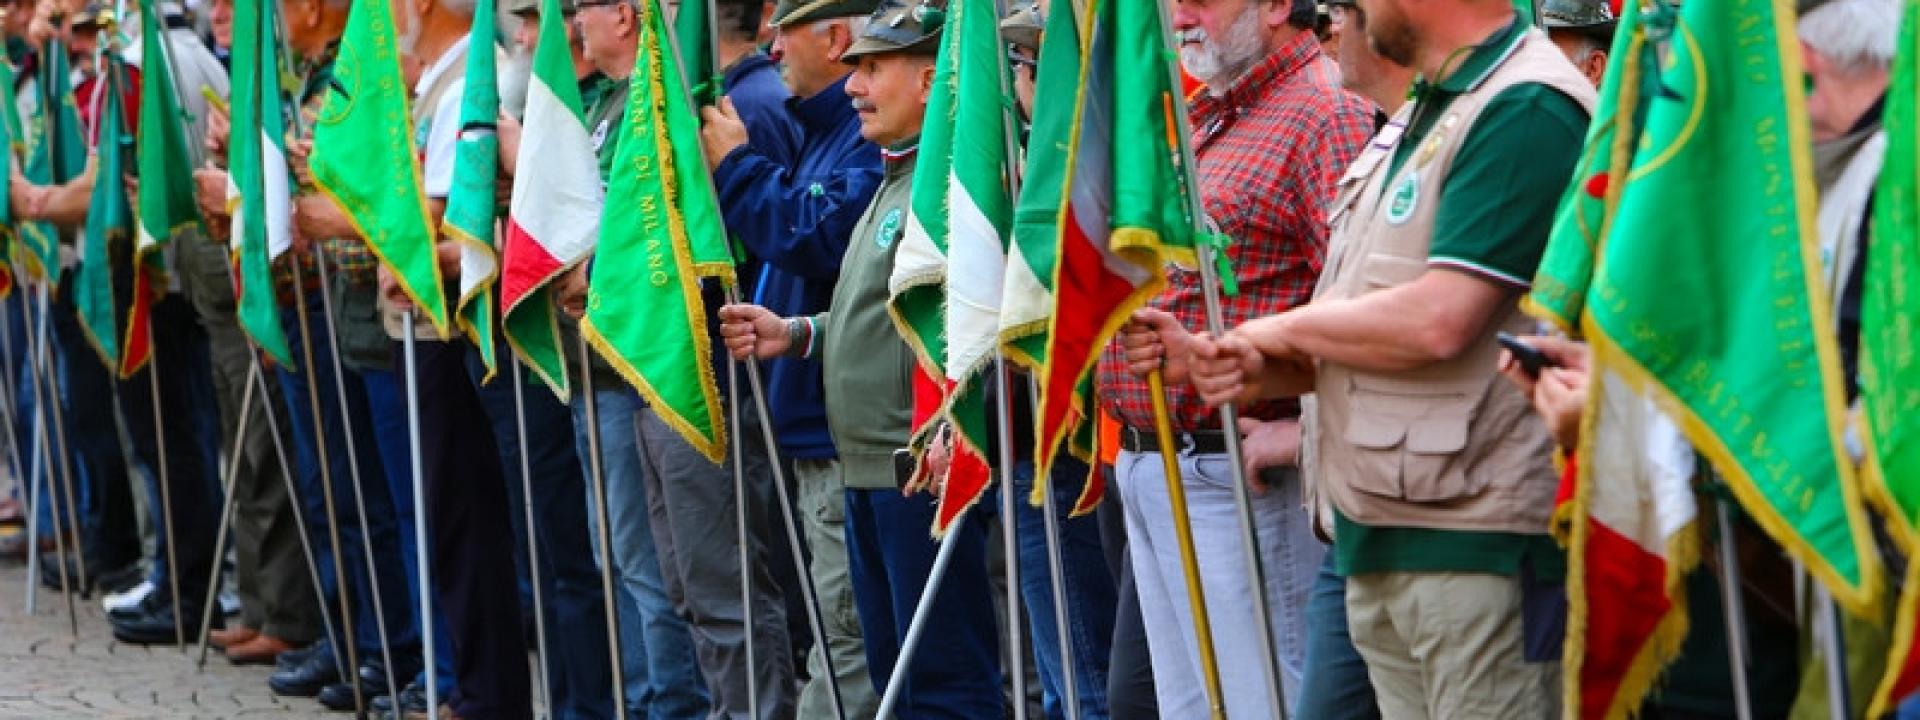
[1273,132]
[868,370]
[797,217]
[1426,265]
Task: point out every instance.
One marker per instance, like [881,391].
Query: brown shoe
[232,636]
[262,650]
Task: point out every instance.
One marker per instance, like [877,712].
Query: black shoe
[119,579]
[153,602]
[307,678]
[373,671]
[413,700]
[296,657]
[338,697]
[157,627]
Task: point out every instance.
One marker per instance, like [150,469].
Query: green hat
[791,12]
[911,26]
[1022,25]
[529,7]
[1577,15]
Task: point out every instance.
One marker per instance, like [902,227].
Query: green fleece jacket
[867,366]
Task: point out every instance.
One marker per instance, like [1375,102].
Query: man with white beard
[1273,132]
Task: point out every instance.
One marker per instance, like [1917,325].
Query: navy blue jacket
[795,219]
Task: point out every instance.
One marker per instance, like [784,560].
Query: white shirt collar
[440,67]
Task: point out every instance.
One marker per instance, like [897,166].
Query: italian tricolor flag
[554,219]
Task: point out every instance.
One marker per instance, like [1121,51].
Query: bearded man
[1273,133]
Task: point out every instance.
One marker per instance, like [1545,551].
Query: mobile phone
[1530,359]
[904,466]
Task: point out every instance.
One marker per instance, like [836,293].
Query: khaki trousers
[1445,645]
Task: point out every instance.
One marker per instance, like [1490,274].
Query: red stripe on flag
[1085,294]
[525,265]
[138,345]
[967,477]
[1633,582]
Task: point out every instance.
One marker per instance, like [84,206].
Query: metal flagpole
[740,521]
[1229,418]
[809,592]
[1735,610]
[1056,568]
[922,612]
[533,538]
[1183,530]
[166,492]
[1833,648]
[293,495]
[50,391]
[353,457]
[321,451]
[1010,545]
[231,474]
[38,456]
[599,479]
[409,359]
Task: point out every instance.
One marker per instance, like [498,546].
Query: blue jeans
[575,610]
[660,673]
[1089,588]
[386,403]
[382,530]
[1334,684]
[955,672]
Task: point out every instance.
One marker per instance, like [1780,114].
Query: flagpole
[39,457]
[809,591]
[51,391]
[810,594]
[740,522]
[229,475]
[411,364]
[327,490]
[299,514]
[897,678]
[598,476]
[1734,608]
[1056,568]
[1833,648]
[1009,537]
[353,454]
[533,538]
[1229,417]
[1183,531]
[36,496]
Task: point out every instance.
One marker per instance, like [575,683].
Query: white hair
[856,25]
[1856,35]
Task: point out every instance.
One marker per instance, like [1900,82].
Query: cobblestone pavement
[47,673]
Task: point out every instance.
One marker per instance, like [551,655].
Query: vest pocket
[1407,446]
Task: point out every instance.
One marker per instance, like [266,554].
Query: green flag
[9,151]
[257,168]
[693,33]
[165,203]
[1709,294]
[1889,372]
[469,219]
[659,240]
[108,220]
[363,158]
[56,153]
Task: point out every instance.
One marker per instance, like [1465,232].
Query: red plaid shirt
[1270,153]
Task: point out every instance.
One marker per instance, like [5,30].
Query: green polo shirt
[1496,210]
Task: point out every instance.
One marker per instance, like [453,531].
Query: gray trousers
[690,502]
[270,567]
[823,505]
[1290,556]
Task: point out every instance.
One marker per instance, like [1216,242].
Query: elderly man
[1440,477]
[1273,133]
[1584,31]
[797,217]
[866,368]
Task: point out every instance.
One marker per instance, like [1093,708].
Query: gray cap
[1577,15]
[794,12]
[1022,25]
[909,26]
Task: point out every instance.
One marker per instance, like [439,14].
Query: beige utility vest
[1450,445]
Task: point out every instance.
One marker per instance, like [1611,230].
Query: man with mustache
[1273,132]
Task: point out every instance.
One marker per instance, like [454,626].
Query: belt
[1205,442]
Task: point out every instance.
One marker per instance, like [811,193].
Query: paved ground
[48,673]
